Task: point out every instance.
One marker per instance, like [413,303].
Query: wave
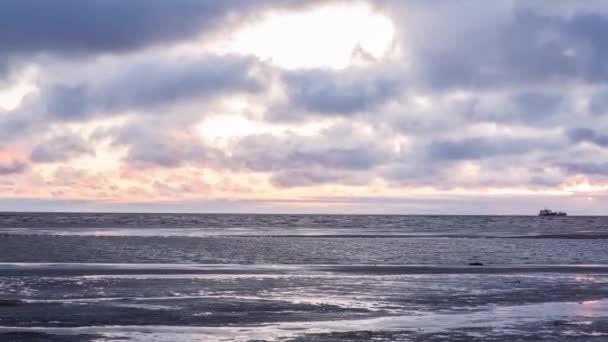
[300,233]
[83,269]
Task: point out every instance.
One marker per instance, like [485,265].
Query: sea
[220,277]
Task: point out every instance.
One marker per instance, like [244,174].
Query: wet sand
[147,302]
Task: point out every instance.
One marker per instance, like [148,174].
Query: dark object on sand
[475,264]
[549,212]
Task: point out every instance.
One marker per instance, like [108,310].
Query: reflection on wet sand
[301,303]
[515,319]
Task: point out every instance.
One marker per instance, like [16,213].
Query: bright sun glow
[584,186]
[220,128]
[11,97]
[327,36]
[228,126]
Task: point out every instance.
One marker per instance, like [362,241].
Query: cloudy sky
[384,106]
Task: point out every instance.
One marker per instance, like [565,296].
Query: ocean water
[178,277]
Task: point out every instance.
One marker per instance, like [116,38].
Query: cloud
[513,43]
[15,126]
[170,153]
[12,160]
[588,135]
[89,27]
[586,168]
[70,30]
[480,148]
[509,96]
[60,149]
[339,153]
[305,178]
[159,142]
[535,106]
[12,167]
[343,92]
[339,147]
[152,83]
[531,108]
[146,85]
[598,103]
[114,26]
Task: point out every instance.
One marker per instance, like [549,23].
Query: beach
[302,278]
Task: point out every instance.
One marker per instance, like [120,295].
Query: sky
[287,106]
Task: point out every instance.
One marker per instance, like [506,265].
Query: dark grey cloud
[545,181]
[480,148]
[72,28]
[588,168]
[598,103]
[4,68]
[415,172]
[354,158]
[535,106]
[469,45]
[342,92]
[532,108]
[588,135]
[61,149]
[333,149]
[97,26]
[589,30]
[15,126]
[150,84]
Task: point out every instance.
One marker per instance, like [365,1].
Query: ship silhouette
[549,212]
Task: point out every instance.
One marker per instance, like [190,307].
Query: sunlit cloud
[13,94]
[582,185]
[323,36]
